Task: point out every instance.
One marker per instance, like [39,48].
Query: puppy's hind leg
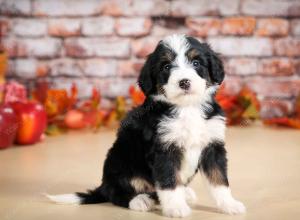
[214,166]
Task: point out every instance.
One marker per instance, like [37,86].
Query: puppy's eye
[196,63]
[167,67]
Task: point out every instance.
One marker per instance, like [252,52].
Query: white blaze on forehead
[177,42]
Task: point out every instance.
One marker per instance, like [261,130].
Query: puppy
[162,144]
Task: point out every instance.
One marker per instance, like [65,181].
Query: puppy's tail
[90,197]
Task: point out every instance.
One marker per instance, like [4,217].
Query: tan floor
[264,171]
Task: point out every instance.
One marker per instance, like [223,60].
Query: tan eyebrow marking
[168,56]
[191,54]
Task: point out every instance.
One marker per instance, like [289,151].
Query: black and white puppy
[178,131]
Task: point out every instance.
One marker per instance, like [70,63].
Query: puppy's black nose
[185,84]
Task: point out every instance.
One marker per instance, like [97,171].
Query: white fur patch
[142,203]
[190,195]
[173,202]
[189,164]
[64,198]
[188,128]
[176,42]
[216,128]
[225,201]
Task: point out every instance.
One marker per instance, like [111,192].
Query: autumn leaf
[54,130]
[111,118]
[137,96]
[57,102]
[120,107]
[238,107]
[40,92]
[297,107]
[284,121]
[73,96]
[93,103]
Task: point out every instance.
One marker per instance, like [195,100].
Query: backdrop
[104,43]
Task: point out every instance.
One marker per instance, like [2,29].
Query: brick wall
[104,43]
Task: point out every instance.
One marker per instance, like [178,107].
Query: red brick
[99,67]
[194,8]
[203,27]
[274,107]
[5,26]
[42,48]
[276,67]
[295,27]
[268,87]
[14,48]
[272,27]
[98,26]
[230,46]
[64,27]
[129,68]
[15,7]
[11,69]
[241,66]
[136,7]
[144,46]
[161,31]
[26,68]
[99,47]
[287,47]
[297,66]
[230,7]
[203,7]
[238,26]
[71,8]
[29,27]
[271,7]
[133,26]
[65,67]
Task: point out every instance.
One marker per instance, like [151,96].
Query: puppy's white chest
[186,129]
[189,130]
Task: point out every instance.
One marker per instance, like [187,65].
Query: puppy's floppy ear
[216,69]
[145,81]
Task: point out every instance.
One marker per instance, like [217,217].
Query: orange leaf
[73,96]
[284,121]
[297,107]
[137,96]
[57,102]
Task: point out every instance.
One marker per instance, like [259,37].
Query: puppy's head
[181,71]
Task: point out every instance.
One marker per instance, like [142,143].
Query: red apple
[32,122]
[8,126]
[74,119]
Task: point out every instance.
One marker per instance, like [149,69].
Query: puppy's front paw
[232,207]
[190,195]
[177,211]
